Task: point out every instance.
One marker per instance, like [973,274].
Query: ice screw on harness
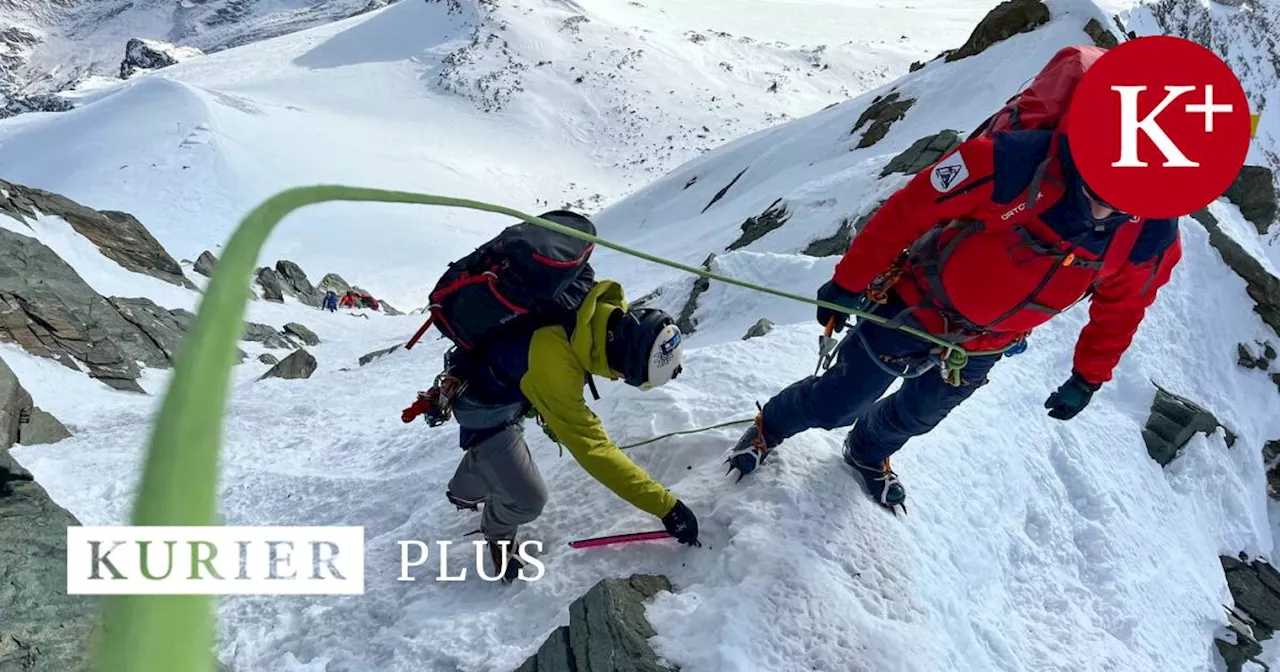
[436,403]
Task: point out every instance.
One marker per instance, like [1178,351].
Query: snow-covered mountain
[1031,543]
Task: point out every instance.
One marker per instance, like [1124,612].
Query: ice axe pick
[826,347]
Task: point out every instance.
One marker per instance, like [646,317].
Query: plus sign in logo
[1159,127]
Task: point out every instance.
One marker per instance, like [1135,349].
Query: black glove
[682,524]
[1071,398]
[834,293]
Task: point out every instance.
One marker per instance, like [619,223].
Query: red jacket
[989,273]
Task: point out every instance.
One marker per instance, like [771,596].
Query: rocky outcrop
[41,102]
[607,631]
[164,327]
[142,55]
[266,335]
[41,627]
[1007,19]
[296,283]
[685,320]
[1100,35]
[300,364]
[303,334]
[838,242]
[1255,588]
[118,235]
[268,359]
[879,116]
[922,153]
[21,421]
[1172,423]
[49,310]
[333,282]
[271,283]
[369,357]
[755,228]
[1254,192]
[204,264]
[388,309]
[1261,286]
[760,328]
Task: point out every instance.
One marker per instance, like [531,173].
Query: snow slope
[477,100]
[1030,543]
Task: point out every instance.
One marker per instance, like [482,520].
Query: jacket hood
[591,330]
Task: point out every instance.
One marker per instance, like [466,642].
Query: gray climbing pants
[500,472]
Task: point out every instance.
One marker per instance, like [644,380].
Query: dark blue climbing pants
[847,393]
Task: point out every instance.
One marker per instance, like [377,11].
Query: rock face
[1263,287]
[685,320]
[42,102]
[607,631]
[264,334]
[1254,192]
[204,264]
[1172,423]
[760,328]
[333,281]
[1255,587]
[21,421]
[300,364]
[387,309]
[1008,19]
[922,153]
[120,236]
[268,359]
[838,243]
[272,284]
[50,311]
[755,228]
[369,357]
[295,281]
[881,114]
[41,627]
[1100,35]
[140,54]
[304,334]
[164,327]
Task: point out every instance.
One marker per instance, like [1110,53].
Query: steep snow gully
[1031,543]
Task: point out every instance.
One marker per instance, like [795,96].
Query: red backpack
[1043,104]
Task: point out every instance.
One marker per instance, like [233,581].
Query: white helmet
[645,348]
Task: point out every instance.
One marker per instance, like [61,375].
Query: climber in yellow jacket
[543,373]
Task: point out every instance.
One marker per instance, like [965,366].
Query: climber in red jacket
[980,248]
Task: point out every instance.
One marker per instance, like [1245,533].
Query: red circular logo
[1159,127]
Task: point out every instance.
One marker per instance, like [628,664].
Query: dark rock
[261,333]
[1244,358]
[388,309]
[50,311]
[1270,452]
[922,153]
[41,627]
[881,114]
[300,364]
[204,264]
[306,335]
[1268,351]
[1172,423]
[334,282]
[1007,19]
[1262,287]
[118,235]
[1254,586]
[295,281]
[159,324]
[1242,645]
[41,102]
[760,328]
[369,357]
[838,243]
[1254,192]
[142,54]
[915,65]
[607,631]
[755,228]
[685,321]
[271,283]
[41,428]
[720,194]
[1275,378]
[1100,35]
[21,421]
[268,359]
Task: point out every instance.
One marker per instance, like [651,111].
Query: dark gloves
[682,524]
[1071,398]
[833,293]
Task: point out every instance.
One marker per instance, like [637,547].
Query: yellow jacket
[558,367]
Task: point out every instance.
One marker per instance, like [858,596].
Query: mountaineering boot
[497,549]
[881,482]
[751,450]
[462,503]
